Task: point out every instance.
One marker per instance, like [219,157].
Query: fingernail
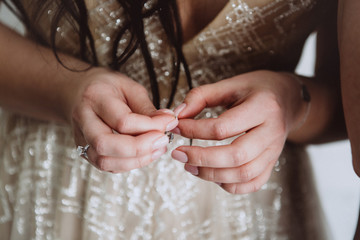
[192,169]
[179,109]
[167,111]
[157,154]
[172,125]
[161,142]
[180,156]
[176,131]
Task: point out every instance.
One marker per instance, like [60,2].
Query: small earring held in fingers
[82,151]
[170,136]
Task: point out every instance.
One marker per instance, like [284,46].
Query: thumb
[138,100]
[140,103]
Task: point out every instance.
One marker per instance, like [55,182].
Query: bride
[101,77]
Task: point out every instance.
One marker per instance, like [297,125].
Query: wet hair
[76,13]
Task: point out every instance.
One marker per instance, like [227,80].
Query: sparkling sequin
[48,192]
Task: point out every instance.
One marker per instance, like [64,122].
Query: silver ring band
[82,151]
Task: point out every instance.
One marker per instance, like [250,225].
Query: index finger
[234,121]
[115,113]
[242,150]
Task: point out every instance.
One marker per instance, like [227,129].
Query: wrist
[301,108]
[74,83]
[306,100]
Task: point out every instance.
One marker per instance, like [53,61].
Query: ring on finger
[82,151]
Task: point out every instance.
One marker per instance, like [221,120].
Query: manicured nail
[180,156]
[171,125]
[161,142]
[192,169]
[179,109]
[176,131]
[157,154]
[167,111]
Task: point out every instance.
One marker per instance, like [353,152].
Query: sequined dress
[48,192]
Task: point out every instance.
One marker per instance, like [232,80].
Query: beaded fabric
[48,192]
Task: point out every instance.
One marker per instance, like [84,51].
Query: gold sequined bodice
[244,36]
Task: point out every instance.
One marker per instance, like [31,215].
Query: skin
[349,37]
[270,112]
[191,21]
[252,156]
[79,99]
[97,102]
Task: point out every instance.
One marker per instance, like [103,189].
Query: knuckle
[201,158]
[99,145]
[140,163]
[91,90]
[271,103]
[220,130]
[190,132]
[196,92]
[239,156]
[143,161]
[233,188]
[140,146]
[75,114]
[138,151]
[237,189]
[122,125]
[211,174]
[245,174]
[102,163]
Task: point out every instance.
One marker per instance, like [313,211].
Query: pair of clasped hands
[115,116]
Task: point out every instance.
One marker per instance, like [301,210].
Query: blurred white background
[338,186]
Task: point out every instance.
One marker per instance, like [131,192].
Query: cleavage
[195,15]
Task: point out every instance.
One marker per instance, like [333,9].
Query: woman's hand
[97,103]
[264,105]
[114,115]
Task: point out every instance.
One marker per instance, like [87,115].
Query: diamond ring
[82,151]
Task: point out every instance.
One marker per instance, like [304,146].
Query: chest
[195,15]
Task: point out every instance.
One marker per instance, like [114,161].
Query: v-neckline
[211,22]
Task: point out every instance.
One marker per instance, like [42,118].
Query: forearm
[349,37]
[32,82]
[321,119]
[326,119]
